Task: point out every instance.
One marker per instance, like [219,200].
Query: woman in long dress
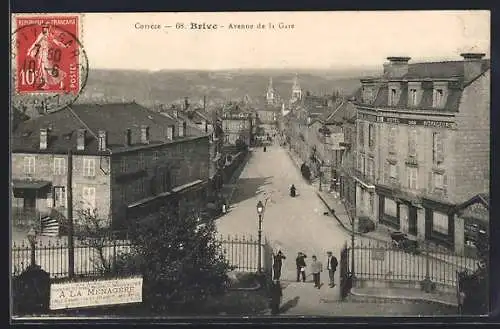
[47,70]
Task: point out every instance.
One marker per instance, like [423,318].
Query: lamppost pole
[260,244]
[260,211]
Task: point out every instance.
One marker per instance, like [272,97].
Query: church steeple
[270,97]
[296,90]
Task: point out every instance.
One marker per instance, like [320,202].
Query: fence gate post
[345,280]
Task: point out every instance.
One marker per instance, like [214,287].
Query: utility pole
[71,244]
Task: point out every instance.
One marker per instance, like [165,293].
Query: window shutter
[430,183]
[439,148]
[445,184]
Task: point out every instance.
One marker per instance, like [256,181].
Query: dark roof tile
[114,118]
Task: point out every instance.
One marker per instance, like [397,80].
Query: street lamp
[260,212]
[32,241]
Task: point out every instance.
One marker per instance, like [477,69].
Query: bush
[180,261]
[366,225]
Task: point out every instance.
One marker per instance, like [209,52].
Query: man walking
[301,266]
[316,269]
[277,264]
[332,267]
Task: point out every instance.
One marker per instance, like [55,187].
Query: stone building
[423,147]
[126,162]
[238,126]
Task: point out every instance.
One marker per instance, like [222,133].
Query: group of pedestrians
[316,267]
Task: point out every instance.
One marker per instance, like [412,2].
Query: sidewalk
[381,233]
[229,188]
[401,294]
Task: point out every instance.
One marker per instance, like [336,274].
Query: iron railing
[381,261]
[51,254]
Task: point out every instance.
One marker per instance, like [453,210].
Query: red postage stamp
[47,54]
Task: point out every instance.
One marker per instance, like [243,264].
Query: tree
[178,257]
[93,232]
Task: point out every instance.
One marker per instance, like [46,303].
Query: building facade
[121,172]
[423,145]
[238,126]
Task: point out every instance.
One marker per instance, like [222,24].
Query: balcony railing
[369,179]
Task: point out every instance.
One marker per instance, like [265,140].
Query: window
[440,223]
[361,133]
[412,142]
[438,97]
[393,173]
[370,169]
[392,97]
[102,143]
[437,148]
[438,181]
[88,197]
[371,135]
[390,207]
[141,161]
[123,165]
[29,165]
[155,155]
[88,167]
[412,177]
[392,140]
[413,97]
[59,196]
[59,166]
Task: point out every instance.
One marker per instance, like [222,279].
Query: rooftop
[114,118]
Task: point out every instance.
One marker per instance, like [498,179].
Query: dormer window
[439,94]
[392,97]
[413,97]
[438,97]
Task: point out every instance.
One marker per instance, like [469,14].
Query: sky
[339,40]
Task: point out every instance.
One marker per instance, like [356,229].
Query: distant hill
[172,86]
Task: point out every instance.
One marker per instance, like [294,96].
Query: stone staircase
[49,226]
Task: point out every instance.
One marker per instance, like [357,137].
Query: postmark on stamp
[49,64]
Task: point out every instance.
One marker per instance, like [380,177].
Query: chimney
[144,134]
[397,67]
[128,137]
[43,138]
[103,140]
[170,132]
[80,140]
[472,65]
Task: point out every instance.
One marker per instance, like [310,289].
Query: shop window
[440,223]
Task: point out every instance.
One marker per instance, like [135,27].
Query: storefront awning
[29,184]
[30,187]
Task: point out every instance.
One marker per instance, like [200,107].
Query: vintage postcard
[262,164]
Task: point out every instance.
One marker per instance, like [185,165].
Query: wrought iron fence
[380,261]
[241,252]
[52,255]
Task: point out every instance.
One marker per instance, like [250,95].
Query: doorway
[412,220]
